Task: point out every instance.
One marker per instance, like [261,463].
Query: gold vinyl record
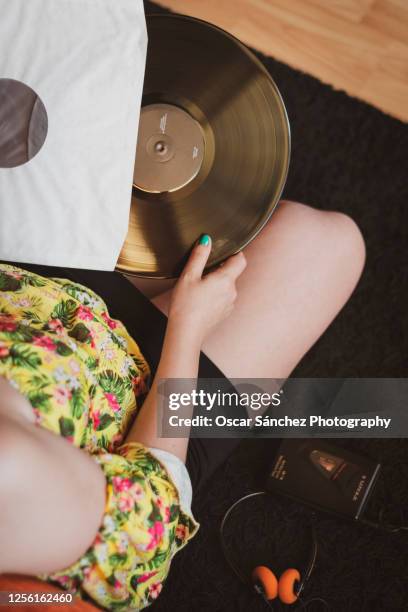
[213,148]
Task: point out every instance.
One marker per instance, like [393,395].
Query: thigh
[302,268]
[53,498]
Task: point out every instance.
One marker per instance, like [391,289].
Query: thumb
[198,258]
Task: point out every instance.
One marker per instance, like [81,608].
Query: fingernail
[204,240]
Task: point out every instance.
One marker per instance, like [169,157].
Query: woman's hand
[199,303]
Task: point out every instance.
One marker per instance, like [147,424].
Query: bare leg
[302,268]
[52,499]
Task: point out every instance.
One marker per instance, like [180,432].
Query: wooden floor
[360,46]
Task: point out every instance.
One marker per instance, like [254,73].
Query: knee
[349,242]
[329,237]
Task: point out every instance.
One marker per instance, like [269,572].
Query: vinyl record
[213,148]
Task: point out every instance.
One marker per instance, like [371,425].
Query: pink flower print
[92,336]
[98,540]
[136,492]
[62,395]
[45,342]
[63,579]
[4,350]
[96,418]
[109,354]
[25,302]
[121,590]
[117,439]
[37,416]
[16,275]
[156,533]
[181,532]
[164,509]
[146,577]
[125,503]
[7,323]
[84,313]
[110,322]
[139,385]
[74,365]
[113,402]
[121,484]
[166,514]
[56,326]
[155,590]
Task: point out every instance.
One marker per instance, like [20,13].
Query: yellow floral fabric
[143,527]
[84,376]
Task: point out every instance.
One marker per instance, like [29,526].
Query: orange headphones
[289,585]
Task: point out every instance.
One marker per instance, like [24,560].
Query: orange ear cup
[267,579]
[286,587]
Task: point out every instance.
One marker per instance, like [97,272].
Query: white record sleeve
[85,59]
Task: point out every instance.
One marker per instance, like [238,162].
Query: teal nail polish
[204,240]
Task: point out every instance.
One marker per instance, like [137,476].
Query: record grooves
[213,148]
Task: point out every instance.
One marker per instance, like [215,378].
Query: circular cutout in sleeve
[23,123]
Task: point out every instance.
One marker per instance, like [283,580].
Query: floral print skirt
[85,378]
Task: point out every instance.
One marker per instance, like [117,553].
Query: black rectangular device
[319,474]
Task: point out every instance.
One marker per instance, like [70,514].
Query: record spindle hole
[160,147]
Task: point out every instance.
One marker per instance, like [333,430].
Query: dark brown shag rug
[346,156]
